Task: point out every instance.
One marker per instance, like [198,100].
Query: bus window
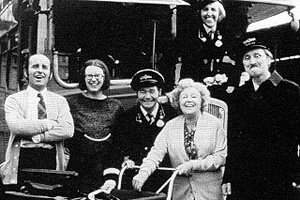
[119,34]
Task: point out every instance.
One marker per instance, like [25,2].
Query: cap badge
[145,77]
[249,41]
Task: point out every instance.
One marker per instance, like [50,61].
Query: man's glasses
[97,76]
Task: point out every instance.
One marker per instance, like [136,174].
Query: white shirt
[207,29]
[32,114]
[33,101]
[154,112]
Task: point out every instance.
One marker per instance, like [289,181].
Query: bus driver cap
[146,78]
[251,43]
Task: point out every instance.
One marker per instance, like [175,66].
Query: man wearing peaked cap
[265,131]
[138,127]
[252,42]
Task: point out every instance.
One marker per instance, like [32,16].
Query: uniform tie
[211,34]
[42,113]
[150,118]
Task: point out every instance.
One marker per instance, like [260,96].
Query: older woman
[195,143]
[94,114]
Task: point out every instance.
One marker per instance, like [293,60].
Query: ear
[25,72]
[51,75]
[159,91]
[269,60]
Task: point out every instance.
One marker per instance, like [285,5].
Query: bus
[128,35]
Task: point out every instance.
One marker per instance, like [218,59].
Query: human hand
[226,189]
[185,168]
[128,163]
[109,185]
[209,81]
[163,99]
[37,138]
[139,180]
[51,124]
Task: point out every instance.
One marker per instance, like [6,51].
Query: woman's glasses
[97,76]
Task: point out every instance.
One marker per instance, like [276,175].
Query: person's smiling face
[190,101]
[39,72]
[94,78]
[210,14]
[148,96]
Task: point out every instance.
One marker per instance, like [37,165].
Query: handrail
[119,82]
[170,181]
[56,75]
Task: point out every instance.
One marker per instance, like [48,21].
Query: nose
[147,95]
[209,12]
[40,67]
[93,78]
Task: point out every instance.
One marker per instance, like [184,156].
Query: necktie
[211,34]
[150,117]
[42,114]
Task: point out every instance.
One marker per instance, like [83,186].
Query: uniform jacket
[203,57]
[211,143]
[135,135]
[16,106]
[263,139]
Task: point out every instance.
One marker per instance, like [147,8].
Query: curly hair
[190,83]
[97,63]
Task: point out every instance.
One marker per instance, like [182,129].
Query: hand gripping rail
[170,181]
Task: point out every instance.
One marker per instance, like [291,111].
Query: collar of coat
[275,78]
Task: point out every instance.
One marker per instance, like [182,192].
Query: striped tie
[42,113]
[151,118]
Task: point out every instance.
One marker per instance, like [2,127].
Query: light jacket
[16,112]
[211,143]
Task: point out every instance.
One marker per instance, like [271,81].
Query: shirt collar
[33,92]
[154,112]
[207,29]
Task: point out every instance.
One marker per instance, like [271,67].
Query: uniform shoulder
[291,83]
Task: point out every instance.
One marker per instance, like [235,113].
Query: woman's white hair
[222,12]
[190,83]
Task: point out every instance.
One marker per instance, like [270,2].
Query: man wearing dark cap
[262,145]
[138,127]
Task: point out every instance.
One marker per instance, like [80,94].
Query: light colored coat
[16,113]
[211,143]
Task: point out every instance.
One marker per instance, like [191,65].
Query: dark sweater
[94,118]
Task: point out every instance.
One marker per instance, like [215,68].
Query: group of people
[259,152]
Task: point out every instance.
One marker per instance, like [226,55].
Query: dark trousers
[35,158]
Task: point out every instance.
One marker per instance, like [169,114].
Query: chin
[148,105]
